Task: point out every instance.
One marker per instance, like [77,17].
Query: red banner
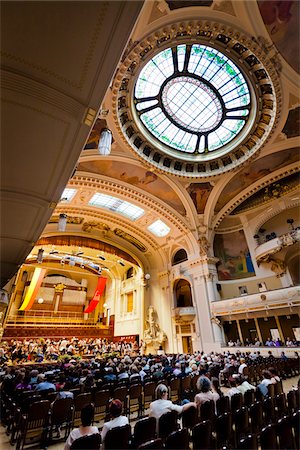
[96,298]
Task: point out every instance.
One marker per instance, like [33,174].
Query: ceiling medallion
[196,102]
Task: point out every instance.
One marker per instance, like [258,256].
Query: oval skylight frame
[258,69]
[193,99]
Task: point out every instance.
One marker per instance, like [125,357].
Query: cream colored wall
[230,289]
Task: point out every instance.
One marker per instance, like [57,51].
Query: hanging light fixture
[104,146]
[62,222]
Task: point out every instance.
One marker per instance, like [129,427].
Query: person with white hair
[162,405]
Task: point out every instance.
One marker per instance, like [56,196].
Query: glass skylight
[159,228]
[192,98]
[116,205]
[68,195]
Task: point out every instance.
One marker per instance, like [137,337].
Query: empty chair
[223,405]
[91,442]
[148,394]
[280,403]
[202,436]
[33,425]
[292,401]
[278,388]
[268,439]
[178,440]
[296,424]
[101,399]
[61,416]
[185,387]
[236,402]
[144,430]
[269,410]
[154,444]
[249,397]
[120,393]
[207,411]
[190,417]
[80,402]
[285,434]
[134,401]
[118,438]
[271,390]
[174,389]
[248,443]
[167,423]
[224,429]
[241,421]
[256,417]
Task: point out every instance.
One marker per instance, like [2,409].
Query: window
[179,257]
[159,228]
[116,205]
[192,98]
[68,195]
[129,302]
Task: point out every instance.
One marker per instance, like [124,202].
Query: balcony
[185,314]
[265,250]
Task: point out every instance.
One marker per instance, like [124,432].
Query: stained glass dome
[192,98]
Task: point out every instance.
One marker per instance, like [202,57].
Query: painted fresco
[281,19]
[254,172]
[93,139]
[138,177]
[199,193]
[233,253]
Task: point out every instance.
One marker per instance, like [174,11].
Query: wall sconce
[104,146]
[40,255]
[62,222]
[40,300]
[147,277]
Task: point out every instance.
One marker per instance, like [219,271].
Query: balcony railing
[263,251]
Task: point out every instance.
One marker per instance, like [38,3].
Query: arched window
[180,256]
[183,294]
[129,273]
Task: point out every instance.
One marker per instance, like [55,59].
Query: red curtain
[96,297]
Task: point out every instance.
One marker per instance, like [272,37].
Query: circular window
[192,98]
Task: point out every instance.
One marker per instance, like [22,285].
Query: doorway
[187,345]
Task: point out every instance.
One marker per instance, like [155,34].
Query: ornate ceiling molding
[243,50]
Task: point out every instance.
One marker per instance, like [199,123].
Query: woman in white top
[85,429]
[117,420]
[162,405]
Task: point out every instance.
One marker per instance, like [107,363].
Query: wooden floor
[4,439]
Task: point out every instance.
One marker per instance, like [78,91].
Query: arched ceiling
[191,207]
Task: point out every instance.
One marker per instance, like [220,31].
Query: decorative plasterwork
[143,200]
[265,250]
[279,298]
[103,216]
[267,215]
[265,181]
[250,58]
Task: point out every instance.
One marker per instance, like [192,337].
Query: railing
[275,245]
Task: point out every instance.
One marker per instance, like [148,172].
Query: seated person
[85,429]
[117,420]
[243,385]
[205,394]
[162,405]
[46,385]
[233,389]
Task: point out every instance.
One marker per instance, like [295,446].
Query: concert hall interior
[150,173]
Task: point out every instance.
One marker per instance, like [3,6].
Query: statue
[153,335]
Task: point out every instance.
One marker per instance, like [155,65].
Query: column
[239,331]
[258,330]
[202,305]
[216,324]
[279,329]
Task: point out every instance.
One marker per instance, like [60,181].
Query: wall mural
[93,139]
[233,253]
[254,172]
[292,124]
[281,18]
[138,177]
[199,193]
